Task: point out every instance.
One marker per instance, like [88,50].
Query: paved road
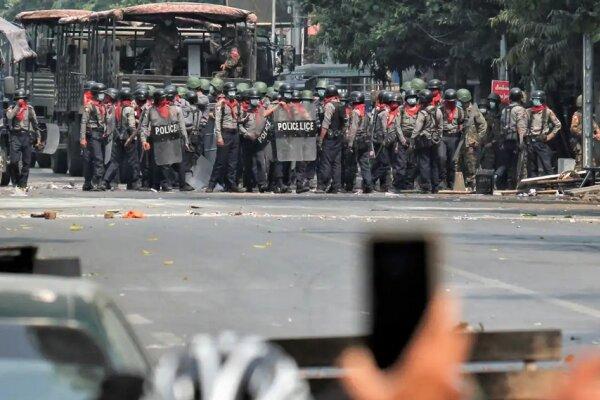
[293,265]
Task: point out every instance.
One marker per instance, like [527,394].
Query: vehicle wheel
[59,162]
[44,160]
[5,179]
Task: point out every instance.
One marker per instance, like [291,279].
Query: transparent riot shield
[295,127]
[200,172]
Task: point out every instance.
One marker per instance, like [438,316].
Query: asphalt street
[283,266]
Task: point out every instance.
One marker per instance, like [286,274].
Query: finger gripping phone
[403,276]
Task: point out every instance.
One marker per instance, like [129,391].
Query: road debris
[45,215]
[146,252]
[168,262]
[152,239]
[75,228]
[109,215]
[263,246]
[134,214]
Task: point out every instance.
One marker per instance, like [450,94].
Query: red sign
[501,88]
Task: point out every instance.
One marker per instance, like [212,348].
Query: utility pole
[503,73]
[273,20]
[588,99]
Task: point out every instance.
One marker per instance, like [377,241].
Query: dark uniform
[330,163]
[408,121]
[426,138]
[93,132]
[396,145]
[192,116]
[513,124]
[125,146]
[453,120]
[22,123]
[258,162]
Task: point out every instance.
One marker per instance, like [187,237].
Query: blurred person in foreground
[430,367]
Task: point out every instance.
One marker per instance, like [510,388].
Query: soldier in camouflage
[425,140]
[577,132]
[452,131]
[475,128]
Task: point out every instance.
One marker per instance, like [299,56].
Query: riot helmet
[425,96]
[450,95]
[124,94]
[331,90]
[230,90]
[357,98]
[493,101]
[464,95]
[434,84]
[20,94]
[515,94]
[141,95]
[158,95]
[261,87]
[286,91]
[192,97]
[538,97]
[170,92]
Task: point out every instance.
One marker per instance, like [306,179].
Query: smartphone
[403,276]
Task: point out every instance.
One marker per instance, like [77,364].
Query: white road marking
[166,340]
[137,319]
[495,283]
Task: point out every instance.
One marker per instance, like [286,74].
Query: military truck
[154,44]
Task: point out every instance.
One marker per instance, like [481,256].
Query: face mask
[287,96]
[211,90]
[483,110]
[536,102]
[459,104]
[492,105]
[231,94]
[254,102]
[321,93]
[411,101]
[101,96]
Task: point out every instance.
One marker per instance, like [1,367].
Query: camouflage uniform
[476,128]
[513,125]
[577,131]
[451,135]
[426,138]
[358,139]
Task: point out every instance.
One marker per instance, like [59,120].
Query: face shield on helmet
[287,96]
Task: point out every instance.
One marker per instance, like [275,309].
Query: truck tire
[58,162]
[4,179]
[44,160]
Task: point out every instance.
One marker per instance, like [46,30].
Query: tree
[454,38]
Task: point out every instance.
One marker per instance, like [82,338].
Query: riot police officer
[330,142]
[359,145]
[252,128]
[381,165]
[165,126]
[24,131]
[513,125]
[542,127]
[452,130]
[425,140]
[92,138]
[435,85]
[409,118]
[492,106]
[475,128]
[305,170]
[395,143]
[228,141]
[192,116]
[125,144]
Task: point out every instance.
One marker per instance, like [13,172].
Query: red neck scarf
[163,108]
[361,109]
[22,104]
[232,104]
[392,114]
[119,108]
[329,99]
[99,106]
[412,111]
[450,111]
[245,106]
[437,98]
[537,109]
[87,97]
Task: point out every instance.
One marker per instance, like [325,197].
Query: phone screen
[400,293]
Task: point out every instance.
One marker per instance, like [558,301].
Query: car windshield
[37,354]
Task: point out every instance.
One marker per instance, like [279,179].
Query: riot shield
[52,138]
[295,126]
[167,144]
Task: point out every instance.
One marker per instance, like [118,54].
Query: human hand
[582,382]
[220,142]
[146,146]
[83,143]
[429,369]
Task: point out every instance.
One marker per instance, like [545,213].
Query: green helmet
[242,87]
[322,84]
[463,95]
[151,90]
[418,84]
[204,85]
[217,83]
[277,85]
[193,83]
[181,91]
[406,86]
[261,87]
[579,101]
[306,95]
